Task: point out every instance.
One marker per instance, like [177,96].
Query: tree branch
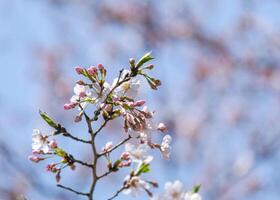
[72,190]
[117,193]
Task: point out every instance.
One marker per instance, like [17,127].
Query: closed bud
[79,70]
[69,106]
[132,62]
[92,71]
[58,177]
[151,66]
[80,82]
[139,103]
[35,159]
[125,156]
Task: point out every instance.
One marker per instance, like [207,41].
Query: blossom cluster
[110,101]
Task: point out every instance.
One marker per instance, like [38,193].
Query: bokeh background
[219,62]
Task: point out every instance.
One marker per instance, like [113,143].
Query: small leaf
[146,58]
[196,188]
[144,168]
[60,152]
[48,119]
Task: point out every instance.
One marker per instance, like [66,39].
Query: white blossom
[174,191]
[165,147]
[129,88]
[138,154]
[39,142]
[192,196]
[94,93]
[135,186]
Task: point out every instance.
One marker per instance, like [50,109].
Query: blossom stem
[117,193]
[82,163]
[67,134]
[115,147]
[72,190]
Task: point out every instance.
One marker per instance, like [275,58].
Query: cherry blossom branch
[72,190]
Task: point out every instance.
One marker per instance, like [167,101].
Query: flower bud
[69,106]
[53,144]
[57,177]
[80,82]
[139,103]
[35,159]
[151,66]
[79,70]
[92,71]
[51,168]
[100,67]
[125,156]
[162,127]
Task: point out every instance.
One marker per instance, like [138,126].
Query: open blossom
[138,154]
[165,147]
[129,88]
[134,186]
[81,92]
[174,191]
[39,142]
[108,146]
[192,196]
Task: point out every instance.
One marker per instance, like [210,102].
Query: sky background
[219,64]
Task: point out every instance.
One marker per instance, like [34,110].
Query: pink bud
[139,103]
[92,71]
[53,144]
[69,106]
[100,67]
[79,70]
[125,164]
[37,151]
[35,159]
[52,168]
[125,156]
[162,127]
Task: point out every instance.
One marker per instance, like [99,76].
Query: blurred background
[219,62]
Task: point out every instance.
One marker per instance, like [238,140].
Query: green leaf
[48,119]
[144,168]
[146,58]
[196,188]
[60,152]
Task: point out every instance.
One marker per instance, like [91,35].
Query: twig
[72,190]
[117,193]
[67,134]
[115,147]
[82,162]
